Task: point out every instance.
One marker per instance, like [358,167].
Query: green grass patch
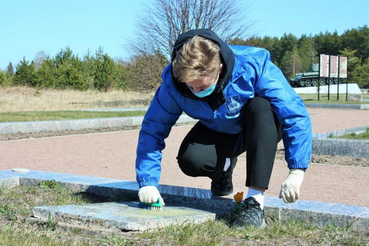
[286,233]
[16,229]
[360,136]
[63,115]
[334,102]
[313,98]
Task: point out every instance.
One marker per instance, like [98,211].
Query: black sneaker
[250,215]
[225,186]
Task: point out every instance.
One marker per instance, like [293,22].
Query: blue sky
[30,26]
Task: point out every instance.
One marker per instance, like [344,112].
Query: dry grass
[17,99]
[20,99]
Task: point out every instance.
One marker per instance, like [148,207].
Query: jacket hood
[227,58]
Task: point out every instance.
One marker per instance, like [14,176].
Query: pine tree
[68,71]
[287,43]
[45,74]
[2,78]
[25,74]
[291,62]
[357,39]
[104,71]
[88,70]
[358,71]
[10,70]
[122,76]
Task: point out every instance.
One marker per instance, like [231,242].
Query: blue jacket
[253,74]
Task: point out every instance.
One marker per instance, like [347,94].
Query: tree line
[92,72]
[294,55]
[142,71]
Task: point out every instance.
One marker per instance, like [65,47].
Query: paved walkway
[112,155]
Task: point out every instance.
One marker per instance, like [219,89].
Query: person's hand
[149,194]
[290,188]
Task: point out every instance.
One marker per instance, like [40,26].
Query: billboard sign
[343,67]
[333,71]
[324,66]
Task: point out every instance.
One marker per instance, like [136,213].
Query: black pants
[203,151]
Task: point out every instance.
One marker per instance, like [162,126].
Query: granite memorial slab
[124,216]
[319,213]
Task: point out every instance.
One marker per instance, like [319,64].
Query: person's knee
[189,165]
[259,109]
[259,104]
[199,162]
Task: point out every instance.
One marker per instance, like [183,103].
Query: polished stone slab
[327,143]
[125,216]
[339,106]
[320,213]
[337,133]
[341,147]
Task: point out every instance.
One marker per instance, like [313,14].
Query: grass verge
[312,98]
[16,227]
[63,115]
[28,104]
[360,136]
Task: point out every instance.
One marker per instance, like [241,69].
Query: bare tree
[39,58]
[145,71]
[163,20]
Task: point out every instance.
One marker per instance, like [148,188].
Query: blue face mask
[204,93]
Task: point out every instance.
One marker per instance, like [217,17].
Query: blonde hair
[197,58]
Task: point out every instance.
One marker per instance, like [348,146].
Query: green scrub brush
[156,206]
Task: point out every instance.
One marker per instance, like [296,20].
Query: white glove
[290,188]
[149,194]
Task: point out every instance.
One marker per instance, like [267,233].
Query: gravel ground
[110,153]
[323,159]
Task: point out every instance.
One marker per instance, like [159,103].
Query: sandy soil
[111,153]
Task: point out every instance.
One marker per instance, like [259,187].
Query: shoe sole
[222,194]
